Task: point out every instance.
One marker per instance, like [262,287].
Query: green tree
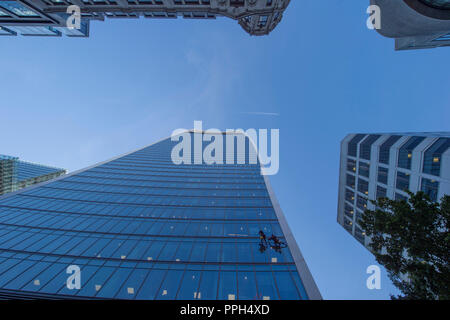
[411,239]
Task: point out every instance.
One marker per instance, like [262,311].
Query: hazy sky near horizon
[320,75]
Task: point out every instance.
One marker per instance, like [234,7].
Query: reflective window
[381,192]
[348,210]
[405,152]
[227,286]
[351,181]
[402,181]
[383,175]
[349,195]
[385,149]
[359,234]
[351,165]
[431,188]
[353,144]
[366,146]
[433,156]
[361,203]
[364,169]
[363,186]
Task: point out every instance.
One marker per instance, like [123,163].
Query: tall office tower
[16,174]
[415,24]
[384,165]
[141,227]
[49,17]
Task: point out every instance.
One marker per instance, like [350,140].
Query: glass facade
[15,174]
[8,173]
[141,227]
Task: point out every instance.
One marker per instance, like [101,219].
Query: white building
[384,165]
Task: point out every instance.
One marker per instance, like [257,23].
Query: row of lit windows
[402,183]
[432,157]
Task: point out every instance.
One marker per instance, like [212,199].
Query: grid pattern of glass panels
[141,227]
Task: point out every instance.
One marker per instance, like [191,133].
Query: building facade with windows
[49,17]
[141,227]
[384,165]
[415,24]
[16,174]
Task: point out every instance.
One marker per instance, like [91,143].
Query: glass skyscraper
[49,17]
[141,227]
[16,174]
[384,166]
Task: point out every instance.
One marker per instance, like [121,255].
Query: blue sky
[74,102]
